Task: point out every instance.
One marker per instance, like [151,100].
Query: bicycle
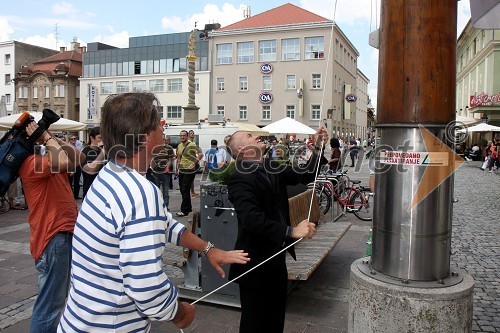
[352,198]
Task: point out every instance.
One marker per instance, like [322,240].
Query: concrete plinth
[377,306]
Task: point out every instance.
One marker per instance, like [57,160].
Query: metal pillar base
[378,306]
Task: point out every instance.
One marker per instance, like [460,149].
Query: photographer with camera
[52,218]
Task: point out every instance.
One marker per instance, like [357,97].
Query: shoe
[180,214]
[19,207]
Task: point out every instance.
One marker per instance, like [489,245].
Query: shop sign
[351,98]
[483,99]
[266,98]
[266,68]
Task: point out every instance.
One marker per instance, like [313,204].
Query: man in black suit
[258,192]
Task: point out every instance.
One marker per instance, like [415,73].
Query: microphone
[22,119]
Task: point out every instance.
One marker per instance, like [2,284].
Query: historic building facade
[53,83]
[478,74]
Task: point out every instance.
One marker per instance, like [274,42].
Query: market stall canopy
[288,125]
[62,124]
[485,14]
[467,120]
[481,128]
[245,127]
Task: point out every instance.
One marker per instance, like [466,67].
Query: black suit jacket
[257,196]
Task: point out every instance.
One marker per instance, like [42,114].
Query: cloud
[48,41]
[5,29]
[226,15]
[64,8]
[119,39]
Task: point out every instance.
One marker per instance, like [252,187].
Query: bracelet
[45,142]
[208,248]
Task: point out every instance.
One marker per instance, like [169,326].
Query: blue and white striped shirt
[117,281]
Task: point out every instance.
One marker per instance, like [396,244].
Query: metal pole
[416,87]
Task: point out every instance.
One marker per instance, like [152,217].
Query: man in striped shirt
[117,281]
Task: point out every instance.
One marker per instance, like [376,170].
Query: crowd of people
[100,265]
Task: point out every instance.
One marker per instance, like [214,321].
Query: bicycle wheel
[362,205]
[324,200]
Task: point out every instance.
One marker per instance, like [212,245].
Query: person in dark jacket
[257,189]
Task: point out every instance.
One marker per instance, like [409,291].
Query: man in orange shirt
[52,217]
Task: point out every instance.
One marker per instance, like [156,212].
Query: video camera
[16,145]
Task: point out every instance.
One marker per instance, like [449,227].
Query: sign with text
[483,99]
[414,158]
[266,98]
[92,92]
[266,68]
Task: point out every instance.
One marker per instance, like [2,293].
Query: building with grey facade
[154,63]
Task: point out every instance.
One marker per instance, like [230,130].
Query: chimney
[62,49]
[82,49]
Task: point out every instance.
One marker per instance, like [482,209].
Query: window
[315,112]
[59,90]
[266,82]
[174,85]
[174,112]
[243,84]
[267,50]
[139,86]
[106,88]
[243,110]
[245,52]
[35,92]
[7,99]
[47,92]
[7,79]
[290,111]
[220,84]
[196,84]
[157,85]
[23,92]
[7,59]
[290,49]
[77,95]
[221,110]
[266,112]
[315,48]
[291,81]
[224,54]
[160,111]
[122,87]
[316,81]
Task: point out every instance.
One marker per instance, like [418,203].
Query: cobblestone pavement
[319,304]
[476,240]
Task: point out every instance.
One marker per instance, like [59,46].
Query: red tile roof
[72,59]
[282,15]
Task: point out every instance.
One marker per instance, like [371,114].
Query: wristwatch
[208,248]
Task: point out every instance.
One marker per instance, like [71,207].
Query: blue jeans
[164,185]
[53,268]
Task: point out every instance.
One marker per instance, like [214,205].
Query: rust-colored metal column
[416,87]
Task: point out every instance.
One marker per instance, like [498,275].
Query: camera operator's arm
[96,165]
[62,156]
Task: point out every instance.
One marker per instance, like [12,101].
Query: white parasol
[481,128]
[62,124]
[288,125]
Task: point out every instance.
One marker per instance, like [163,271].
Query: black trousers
[263,308]
[185,181]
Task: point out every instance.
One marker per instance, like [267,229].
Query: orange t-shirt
[50,202]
